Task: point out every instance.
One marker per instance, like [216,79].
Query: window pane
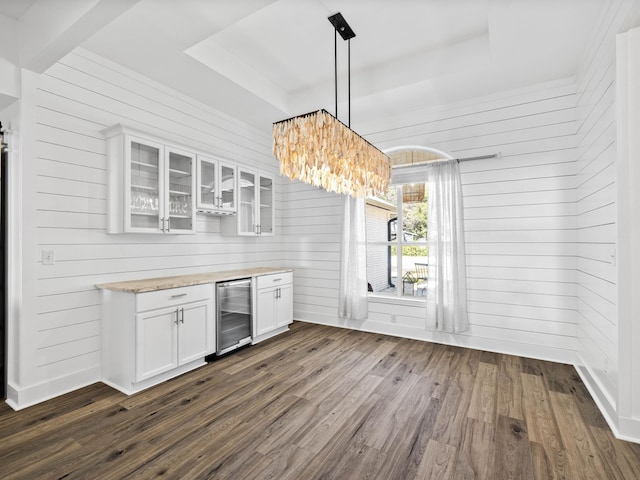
[414,270]
[414,213]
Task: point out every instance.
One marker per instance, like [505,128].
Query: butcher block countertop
[161,283]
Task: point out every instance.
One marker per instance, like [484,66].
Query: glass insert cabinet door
[247,213]
[207,184]
[227,188]
[146,200]
[216,186]
[180,206]
[266,206]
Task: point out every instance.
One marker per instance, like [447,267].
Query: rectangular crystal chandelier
[319,149]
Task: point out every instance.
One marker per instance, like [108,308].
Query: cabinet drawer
[274,280]
[173,296]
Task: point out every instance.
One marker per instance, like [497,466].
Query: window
[397,250]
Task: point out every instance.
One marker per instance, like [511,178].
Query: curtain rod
[479,157]
[464,159]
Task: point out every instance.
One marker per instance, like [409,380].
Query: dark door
[3,263]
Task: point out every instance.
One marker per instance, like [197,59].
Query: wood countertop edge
[163,283]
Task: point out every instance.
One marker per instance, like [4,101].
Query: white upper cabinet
[255,206]
[151,185]
[216,186]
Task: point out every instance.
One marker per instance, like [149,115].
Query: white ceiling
[265,60]
[15,8]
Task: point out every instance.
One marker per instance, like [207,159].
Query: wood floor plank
[438,462]
[482,405]
[621,459]
[538,412]
[576,435]
[550,463]
[393,412]
[321,402]
[452,419]
[509,385]
[335,420]
[476,452]
[512,452]
[404,454]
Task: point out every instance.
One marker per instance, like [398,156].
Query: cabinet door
[247,204]
[180,186]
[156,342]
[144,195]
[266,311]
[227,188]
[266,210]
[193,334]
[285,305]
[207,184]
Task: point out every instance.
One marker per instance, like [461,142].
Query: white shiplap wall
[598,349]
[519,218]
[65,211]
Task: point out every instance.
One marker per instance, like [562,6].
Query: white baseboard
[623,428]
[19,398]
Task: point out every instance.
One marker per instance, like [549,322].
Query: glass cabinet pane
[266,205]
[145,186]
[180,191]
[208,190]
[247,215]
[227,187]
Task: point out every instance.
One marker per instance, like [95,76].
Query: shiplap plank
[539,184]
[60,352]
[523,299]
[50,321]
[599,286]
[86,141]
[520,223]
[567,235]
[70,154]
[61,302]
[565,195]
[521,211]
[530,248]
[522,261]
[522,273]
[69,333]
[62,185]
[522,286]
[521,173]
[565,328]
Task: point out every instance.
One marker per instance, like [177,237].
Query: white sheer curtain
[353,304]
[447,278]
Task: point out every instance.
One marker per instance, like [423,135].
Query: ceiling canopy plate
[341,25]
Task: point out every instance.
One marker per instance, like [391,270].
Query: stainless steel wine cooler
[234,321]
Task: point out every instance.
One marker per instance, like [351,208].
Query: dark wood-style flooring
[321,402]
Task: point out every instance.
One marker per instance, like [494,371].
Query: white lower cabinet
[170,337]
[151,337]
[274,305]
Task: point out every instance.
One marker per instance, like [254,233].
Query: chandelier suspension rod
[349,80]
[335,66]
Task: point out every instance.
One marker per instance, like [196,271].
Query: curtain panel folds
[447,277]
[353,302]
